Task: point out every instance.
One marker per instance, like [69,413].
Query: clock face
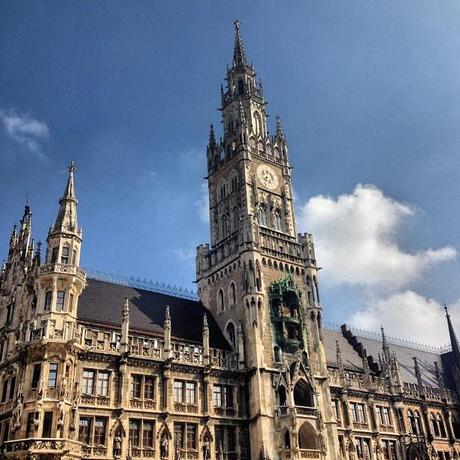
[267,176]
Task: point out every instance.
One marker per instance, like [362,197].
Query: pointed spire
[212,136]
[67,216]
[279,128]
[125,326]
[167,334]
[339,356]
[14,236]
[453,337]
[239,56]
[385,347]
[418,375]
[206,360]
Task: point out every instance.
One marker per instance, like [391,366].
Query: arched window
[221,300]
[281,393]
[277,354]
[240,86]
[234,182]
[303,394]
[257,123]
[418,422]
[287,440]
[411,418]
[277,224]
[222,191]
[231,333]
[442,428]
[225,226]
[232,294]
[434,424]
[308,438]
[263,215]
[236,218]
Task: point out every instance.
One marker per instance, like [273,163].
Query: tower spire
[453,337]
[67,216]
[239,56]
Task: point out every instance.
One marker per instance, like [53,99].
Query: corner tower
[259,277]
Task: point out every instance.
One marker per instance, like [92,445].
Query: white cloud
[25,130]
[408,315]
[203,204]
[356,239]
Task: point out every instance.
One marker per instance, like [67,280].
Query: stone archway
[308,438]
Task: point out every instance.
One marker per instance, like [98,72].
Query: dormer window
[65,255]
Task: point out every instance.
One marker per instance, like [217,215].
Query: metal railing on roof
[142,283]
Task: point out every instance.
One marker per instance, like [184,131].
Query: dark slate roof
[101,303]
[352,360]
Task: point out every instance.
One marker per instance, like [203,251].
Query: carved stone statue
[17,412]
[117,445]
[164,447]
[61,407]
[206,449]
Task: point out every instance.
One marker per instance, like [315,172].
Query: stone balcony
[67,269]
[64,448]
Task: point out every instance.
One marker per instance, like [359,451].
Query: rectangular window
[354,414]
[384,416]
[71,297]
[87,387]
[5,390]
[191,437]
[149,389]
[190,392]
[225,438]
[30,424]
[361,413]
[12,388]
[99,431]
[47,425]
[179,435]
[60,300]
[65,255]
[37,370]
[54,255]
[147,434]
[136,384]
[335,406]
[102,383]
[217,396]
[52,375]
[84,430]
[178,391]
[134,431]
[229,397]
[48,300]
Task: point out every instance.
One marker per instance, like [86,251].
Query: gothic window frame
[262,214]
[230,332]
[278,220]
[221,300]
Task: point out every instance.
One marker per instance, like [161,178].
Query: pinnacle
[239,56]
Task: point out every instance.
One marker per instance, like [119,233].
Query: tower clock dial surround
[267,177]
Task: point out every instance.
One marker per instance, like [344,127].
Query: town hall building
[99,368]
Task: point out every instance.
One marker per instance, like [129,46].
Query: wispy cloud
[202,204]
[25,130]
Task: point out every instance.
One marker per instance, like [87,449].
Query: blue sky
[369,93]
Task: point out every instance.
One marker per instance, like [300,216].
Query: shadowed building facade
[103,369]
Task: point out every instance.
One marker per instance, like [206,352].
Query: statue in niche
[206,448]
[164,450]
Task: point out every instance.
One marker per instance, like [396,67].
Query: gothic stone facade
[103,370]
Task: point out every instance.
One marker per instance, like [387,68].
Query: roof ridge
[391,339]
[139,283]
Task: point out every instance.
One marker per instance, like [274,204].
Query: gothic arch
[303,394]
[222,189]
[221,300]
[230,332]
[308,439]
[232,294]
[257,124]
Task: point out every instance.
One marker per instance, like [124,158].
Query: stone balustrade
[67,269]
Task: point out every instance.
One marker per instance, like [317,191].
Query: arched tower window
[303,395]
[234,182]
[221,300]
[225,226]
[232,294]
[236,218]
[277,223]
[240,86]
[263,215]
[231,333]
[257,123]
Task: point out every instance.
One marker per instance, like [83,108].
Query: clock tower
[259,278]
